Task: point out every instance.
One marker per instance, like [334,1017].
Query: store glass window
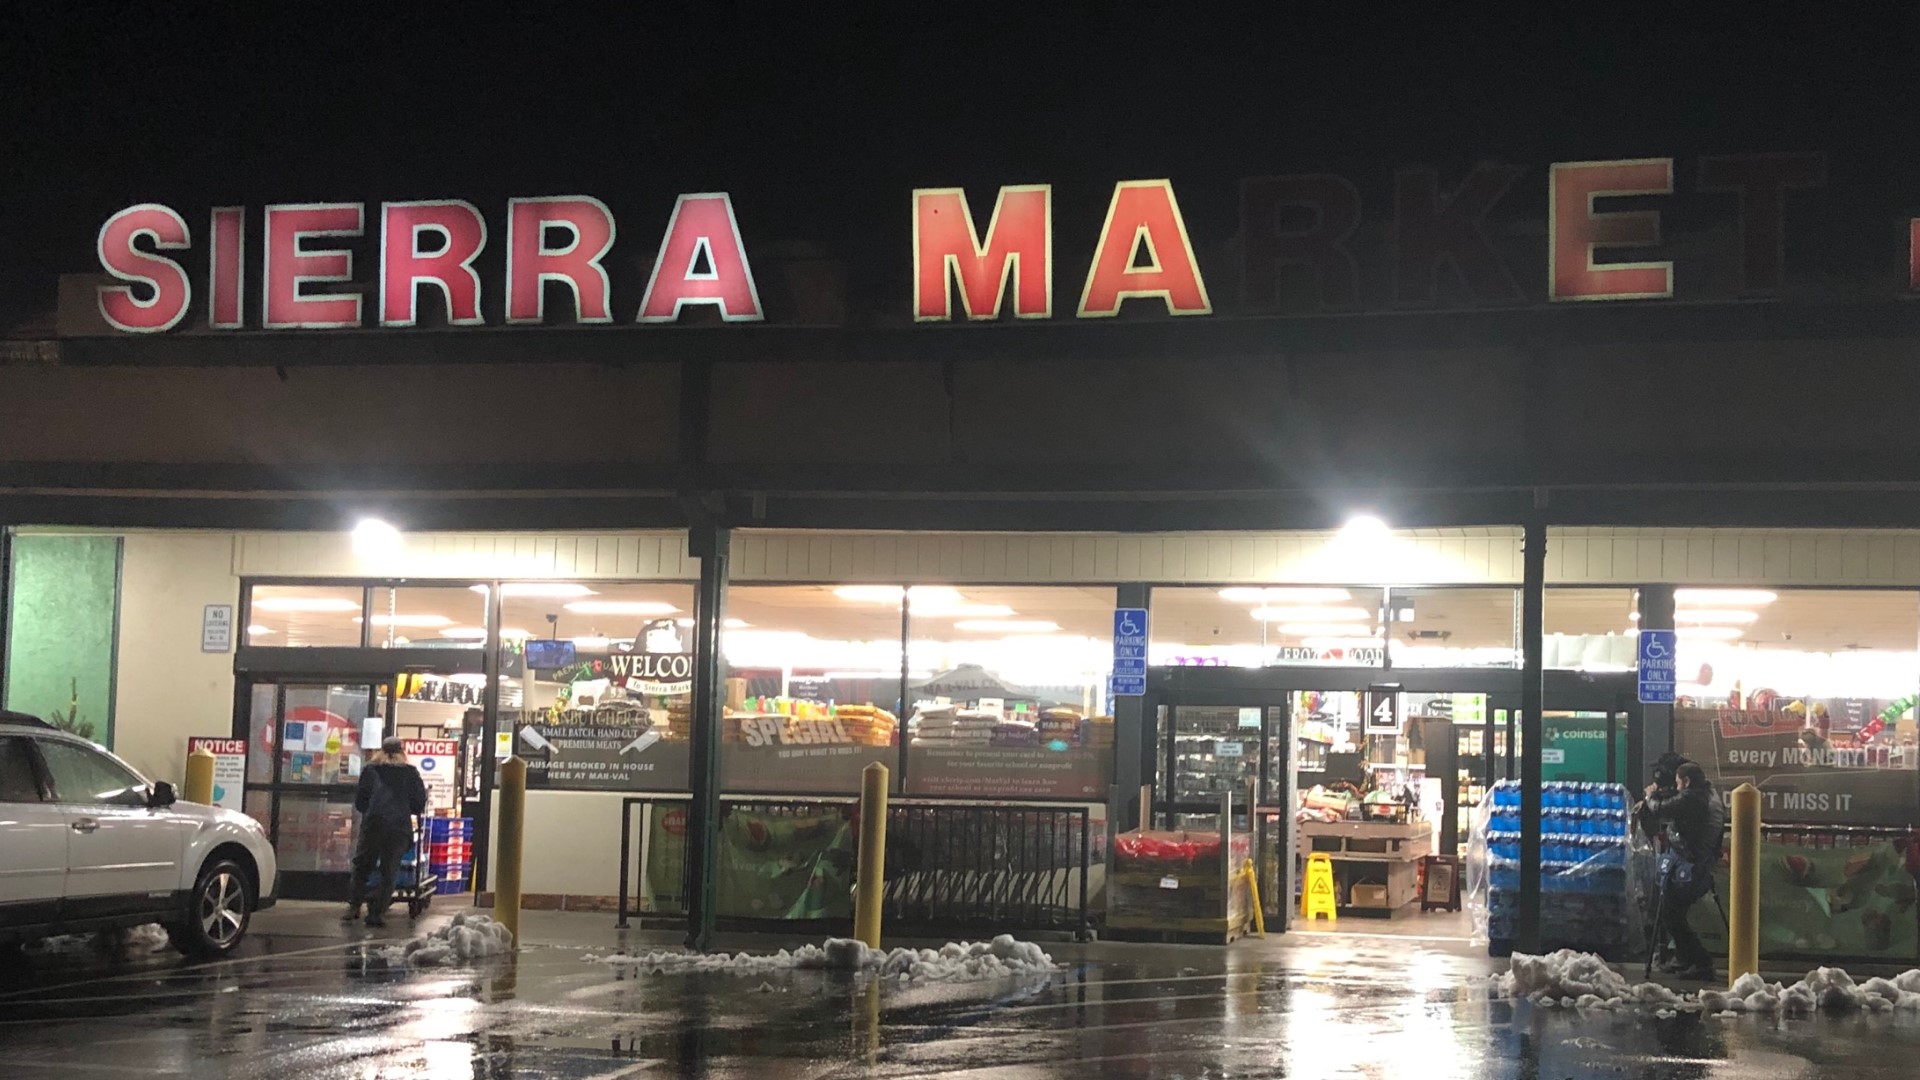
[597,683]
[292,616]
[430,617]
[1007,691]
[1590,629]
[1448,627]
[1256,626]
[1808,694]
[813,683]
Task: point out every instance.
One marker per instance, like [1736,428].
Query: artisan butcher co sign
[1143,252]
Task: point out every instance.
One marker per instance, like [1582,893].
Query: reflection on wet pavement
[302,1004]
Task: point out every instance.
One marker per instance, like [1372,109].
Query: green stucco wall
[63,605]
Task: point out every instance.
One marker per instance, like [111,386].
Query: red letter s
[172,292]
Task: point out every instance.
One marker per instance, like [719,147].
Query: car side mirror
[161,796]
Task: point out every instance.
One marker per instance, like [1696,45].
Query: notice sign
[1129,653]
[438,762]
[216,628]
[1657,666]
[229,768]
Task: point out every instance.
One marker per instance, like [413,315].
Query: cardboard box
[1369,896]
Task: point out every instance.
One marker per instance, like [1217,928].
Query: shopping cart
[415,883]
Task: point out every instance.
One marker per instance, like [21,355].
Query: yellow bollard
[872,869]
[1743,910]
[1253,894]
[509,846]
[199,787]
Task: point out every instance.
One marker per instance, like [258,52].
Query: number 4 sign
[1383,710]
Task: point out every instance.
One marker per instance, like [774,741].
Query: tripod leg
[1657,932]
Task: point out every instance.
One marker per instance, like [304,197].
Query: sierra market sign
[1143,252]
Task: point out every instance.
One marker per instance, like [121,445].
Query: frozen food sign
[339,265]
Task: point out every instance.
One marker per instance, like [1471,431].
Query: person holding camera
[1683,807]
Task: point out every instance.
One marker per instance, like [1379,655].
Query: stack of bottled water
[1583,865]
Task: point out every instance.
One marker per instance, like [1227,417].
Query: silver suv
[87,843]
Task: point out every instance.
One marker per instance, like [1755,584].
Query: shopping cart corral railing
[951,865]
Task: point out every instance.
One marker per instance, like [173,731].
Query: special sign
[307,280]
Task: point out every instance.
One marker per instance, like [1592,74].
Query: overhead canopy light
[305,604]
[621,607]
[375,538]
[1724,597]
[1287,594]
[1312,614]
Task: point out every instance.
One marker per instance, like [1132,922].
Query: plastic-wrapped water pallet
[1587,895]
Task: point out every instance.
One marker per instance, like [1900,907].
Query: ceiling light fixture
[1364,527]
[1312,614]
[1726,597]
[1710,615]
[1007,626]
[314,605]
[1710,633]
[621,607]
[465,633]
[411,622]
[1325,630]
[539,590]
[1287,594]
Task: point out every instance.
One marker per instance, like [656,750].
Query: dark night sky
[819,124]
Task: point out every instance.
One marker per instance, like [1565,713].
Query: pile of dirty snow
[1576,980]
[1823,988]
[467,938]
[133,941]
[959,961]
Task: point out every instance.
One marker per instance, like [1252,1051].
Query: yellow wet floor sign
[1316,898]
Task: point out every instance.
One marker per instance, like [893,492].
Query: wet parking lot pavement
[313,999]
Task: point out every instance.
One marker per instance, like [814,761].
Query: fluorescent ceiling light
[1341,643]
[256,631]
[412,622]
[1726,597]
[465,633]
[621,607]
[1312,614]
[1710,633]
[891,594]
[1325,630]
[1007,626]
[960,610]
[731,624]
[1709,615]
[592,642]
[307,604]
[539,590]
[1284,595]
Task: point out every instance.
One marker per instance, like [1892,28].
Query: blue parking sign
[1657,666]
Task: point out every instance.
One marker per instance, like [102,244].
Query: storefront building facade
[1324,462]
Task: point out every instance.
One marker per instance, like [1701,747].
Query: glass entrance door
[307,743]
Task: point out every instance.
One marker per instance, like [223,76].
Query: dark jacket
[1694,821]
[389,793]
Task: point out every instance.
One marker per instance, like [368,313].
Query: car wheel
[217,912]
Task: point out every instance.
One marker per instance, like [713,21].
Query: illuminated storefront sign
[1299,235]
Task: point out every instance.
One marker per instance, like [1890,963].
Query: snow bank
[134,941]
[467,938]
[1577,980]
[969,961]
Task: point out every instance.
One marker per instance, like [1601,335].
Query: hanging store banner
[618,746]
[1802,777]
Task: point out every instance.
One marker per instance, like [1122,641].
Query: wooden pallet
[1177,931]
